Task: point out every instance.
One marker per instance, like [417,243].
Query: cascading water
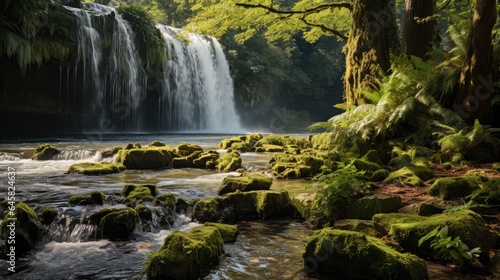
[197,87]
[192,92]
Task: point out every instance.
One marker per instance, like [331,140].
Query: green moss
[231,161]
[244,143]
[272,148]
[296,166]
[168,199]
[149,158]
[47,214]
[303,202]
[448,188]
[44,152]
[282,141]
[401,161]
[358,256]
[186,161]
[143,212]
[323,141]
[140,192]
[229,233]
[27,228]
[93,168]
[470,227]
[379,175]
[367,227]
[95,197]
[206,210]
[245,182]
[207,160]
[488,194]
[157,144]
[496,166]
[119,223]
[412,175]
[262,204]
[185,255]
[186,149]
[364,208]
[365,165]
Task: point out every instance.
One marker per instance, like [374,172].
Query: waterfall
[193,91]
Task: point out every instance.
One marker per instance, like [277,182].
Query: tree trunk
[418,27]
[477,85]
[372,37]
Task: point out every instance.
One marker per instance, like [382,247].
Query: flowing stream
[264,249]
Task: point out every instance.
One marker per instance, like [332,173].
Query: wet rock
[47,215]
[231,161]
[96,168]
[229,233]
[168,200]
[186,149]
[206,210]
[458,187]
[261,204]
[469,226]
[143,212]
[149,158]
[111,153]
[185,255]
[181,206]
[272,148]
[245,182]
[355,255]
[95,197]
[434,206]
[303,202]
[364,208]
[115,223]
[44,152]
[140,191]
[207,160]
[186,161]
[367,227]
[27,228]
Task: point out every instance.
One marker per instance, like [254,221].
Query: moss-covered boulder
[148,158]
[407,229]
[47,215]
[44,152]
[207,160]
[364,208]
[95,197]
[434,206]
[229,233]
[115,223]
[206,210]
[244,143]
[282,141]
[169,201]
[296,166]
[186,149]
[231,161]
[273,148]
[140,191]
[246,182]
[185,255]
[322,141]
[186,161]
[144,212]
[303,202]
[26,229]
[457,187]
[367,227]
[354,255]
[111,153]
[96,168]
[261,204]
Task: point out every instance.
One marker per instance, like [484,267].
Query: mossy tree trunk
[418,27]
[477,85]
[372,37]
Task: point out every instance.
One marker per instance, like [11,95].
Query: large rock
[185,255]
[206,210]
[458,187]
[186,161]
[44,152]
[303,202]
[243,143]
[296,166]
[95,197]
[207,160]
[229,233]
[27,229]
[354,255]
[149,158]
[367,227]
[140,191]
[407,229]
[364,208]
[246,182]
[96,168]
[262,204]
[115,223]
[186,149]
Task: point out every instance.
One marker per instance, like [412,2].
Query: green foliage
[338,190]
[152,46]
[450,249]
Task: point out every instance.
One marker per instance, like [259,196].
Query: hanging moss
[152,45]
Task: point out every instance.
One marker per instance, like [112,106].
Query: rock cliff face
[92,69]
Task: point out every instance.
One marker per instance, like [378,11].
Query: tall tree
[372,38]
[476,85]
[418,27]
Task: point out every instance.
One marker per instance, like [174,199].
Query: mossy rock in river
[96,168]
[245,182]
[115,223]
[244,143]
[296,166]
[95,197]
[44,152]
[186,149]
[354,255]
[458,187]
[231,161]
[262,204]
[229,233]
[283,141]
[367,227]
[185,255]
[149,158]
[407,229]
[27,228]
[206,210]
[47,214]
[140,191]
[207,160]
[186,161]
